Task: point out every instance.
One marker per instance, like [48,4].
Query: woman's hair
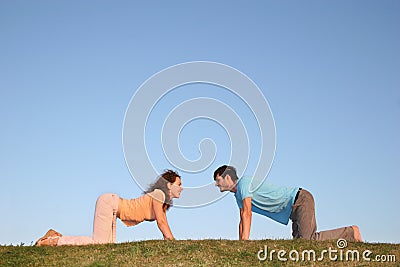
[169,176]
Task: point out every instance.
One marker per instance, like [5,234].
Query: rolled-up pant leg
[304,222]
[104,224]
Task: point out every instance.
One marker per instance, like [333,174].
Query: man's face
[224,184]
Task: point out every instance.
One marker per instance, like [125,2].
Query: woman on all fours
[150,207]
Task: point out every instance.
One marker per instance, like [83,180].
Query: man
[280,204]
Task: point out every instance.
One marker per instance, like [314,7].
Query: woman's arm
[161,218]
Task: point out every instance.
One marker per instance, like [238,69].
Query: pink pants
[104,224]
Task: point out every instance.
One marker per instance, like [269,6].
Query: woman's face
[176,188]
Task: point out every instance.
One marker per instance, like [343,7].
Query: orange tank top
[137,210]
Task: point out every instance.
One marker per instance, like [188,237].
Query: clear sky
[68,69]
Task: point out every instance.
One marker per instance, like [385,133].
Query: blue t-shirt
[269,200]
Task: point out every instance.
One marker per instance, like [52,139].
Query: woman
[152,206]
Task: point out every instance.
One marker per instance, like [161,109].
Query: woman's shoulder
[158,195]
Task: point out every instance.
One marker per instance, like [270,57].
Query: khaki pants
[304,223]
[104,224]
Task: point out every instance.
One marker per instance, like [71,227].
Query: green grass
[191,253]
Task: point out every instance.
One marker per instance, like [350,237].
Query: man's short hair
[224,170]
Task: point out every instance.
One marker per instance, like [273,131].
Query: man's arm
[240,224]
[245,219]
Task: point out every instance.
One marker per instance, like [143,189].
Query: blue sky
[329,70]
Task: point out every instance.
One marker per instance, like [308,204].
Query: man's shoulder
[243,186]
[247,183]
[245,179]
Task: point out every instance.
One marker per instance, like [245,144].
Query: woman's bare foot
[49,239]
[357,233]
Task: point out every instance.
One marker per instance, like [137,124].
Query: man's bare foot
[357,234]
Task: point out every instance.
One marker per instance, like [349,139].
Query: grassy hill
[205,253]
